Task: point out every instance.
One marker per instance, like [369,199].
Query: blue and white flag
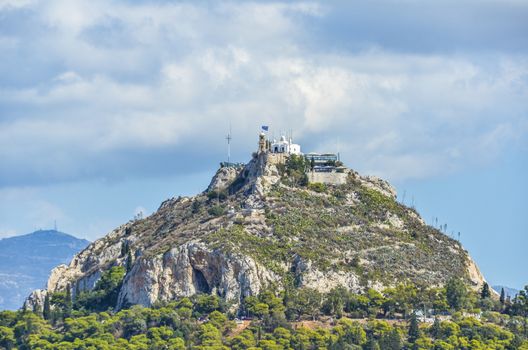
[265,127]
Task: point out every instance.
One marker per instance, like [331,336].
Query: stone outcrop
[378,184]
[475,276]
[35,301]
[310,277]
[223,178]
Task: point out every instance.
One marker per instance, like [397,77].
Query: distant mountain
[511,292]
[26,262]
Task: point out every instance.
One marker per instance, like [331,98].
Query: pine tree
[456,293]
[485,292]
[46,312]
[414,330]
[502,297]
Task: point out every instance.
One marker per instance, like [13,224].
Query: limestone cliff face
[190,269]
[255,227]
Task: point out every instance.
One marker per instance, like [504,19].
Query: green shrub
[217,194]
[317,187]
[216,210]
[295,170]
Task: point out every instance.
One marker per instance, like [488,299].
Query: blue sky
[109,107]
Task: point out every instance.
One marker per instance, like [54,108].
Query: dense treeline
[455,318]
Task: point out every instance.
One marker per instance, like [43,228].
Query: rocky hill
[26,262]
[265,225]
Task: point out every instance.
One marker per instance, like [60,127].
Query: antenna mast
[338,148]
[228,138]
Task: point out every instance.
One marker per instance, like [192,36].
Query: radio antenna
[228,138]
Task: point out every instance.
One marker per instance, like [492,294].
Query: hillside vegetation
[293,319]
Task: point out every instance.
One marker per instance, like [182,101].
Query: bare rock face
[263,229]
[380,185]
[475,276]
[260,174]
[35,300]
[310,277]
[190,269]
[223,178]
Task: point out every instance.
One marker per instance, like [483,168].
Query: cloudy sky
[109,107]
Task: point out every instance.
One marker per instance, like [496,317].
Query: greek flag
[265,127]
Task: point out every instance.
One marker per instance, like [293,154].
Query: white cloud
[28,204]
[168,76]
[14,4]
[43,214]
[7,232]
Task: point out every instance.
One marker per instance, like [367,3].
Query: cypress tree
[391,340]
[46,312]
[436,330]
[372,344]
[37,309]
[124,248]
[395,341]
[68,302]
[128,262]
[502,296]
[77,290]
[414,330]
[508,306]
[485,292]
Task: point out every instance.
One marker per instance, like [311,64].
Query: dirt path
[321,323]
[240,326]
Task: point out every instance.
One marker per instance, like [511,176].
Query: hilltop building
[285,146]
[321,158]
[323,167]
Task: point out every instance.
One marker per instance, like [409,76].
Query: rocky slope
[256,227]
